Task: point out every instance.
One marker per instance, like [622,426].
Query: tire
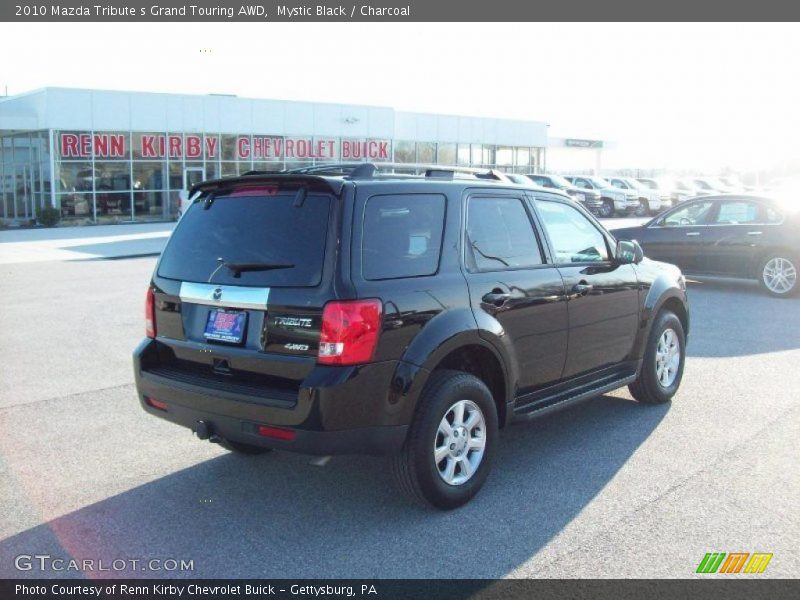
[240,448]
[606,210]
[644,208]
[777,275]
[652,387]
[415,466]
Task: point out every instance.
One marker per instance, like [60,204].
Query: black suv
[348,310]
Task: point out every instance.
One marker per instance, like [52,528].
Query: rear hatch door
[241,285]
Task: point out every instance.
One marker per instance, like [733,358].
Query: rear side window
[500,235]
[402,235]
[269,240]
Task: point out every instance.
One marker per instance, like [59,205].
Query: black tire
[415,467]
[606,210]
[648,389]
[240,448]
[787,258]
[644,208]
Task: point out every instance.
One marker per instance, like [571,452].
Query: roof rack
[367,170]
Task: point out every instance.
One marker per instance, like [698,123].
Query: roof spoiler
[283,178]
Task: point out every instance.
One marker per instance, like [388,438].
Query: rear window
[269,240]
[402,235]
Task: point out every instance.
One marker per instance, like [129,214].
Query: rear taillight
[349,332]
[150,314]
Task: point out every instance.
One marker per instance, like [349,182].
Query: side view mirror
[628,252]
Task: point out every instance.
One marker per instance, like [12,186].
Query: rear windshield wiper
[238,268]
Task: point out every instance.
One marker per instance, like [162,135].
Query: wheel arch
[448,345]
[664,293]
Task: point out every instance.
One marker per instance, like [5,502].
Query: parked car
[733,235]
[591,199]
[707,186]
[649,200]
[615,200]
[342,310]
[672,191]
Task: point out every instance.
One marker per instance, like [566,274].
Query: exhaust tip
[202,430]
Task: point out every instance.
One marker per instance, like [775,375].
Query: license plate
[226,326]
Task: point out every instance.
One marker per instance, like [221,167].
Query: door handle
[754,233]
[497,297]
[582,288]
[693,234]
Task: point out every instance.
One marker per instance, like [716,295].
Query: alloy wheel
[460,442]
[780,275]
[668,358]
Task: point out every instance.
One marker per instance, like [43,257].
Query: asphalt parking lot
[608,488]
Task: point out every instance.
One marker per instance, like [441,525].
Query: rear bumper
[342,412]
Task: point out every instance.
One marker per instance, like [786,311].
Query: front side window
[736,213]
[696,213]
[402,235]
[575,239]
[582,183]
[500,235]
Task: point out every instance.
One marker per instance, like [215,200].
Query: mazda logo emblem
[217,294]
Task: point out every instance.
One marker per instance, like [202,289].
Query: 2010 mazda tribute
[347,309]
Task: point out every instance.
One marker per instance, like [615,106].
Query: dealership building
[109,156]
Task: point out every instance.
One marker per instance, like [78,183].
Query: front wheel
[606,210]
[778,275]
[448,453]
[662,366]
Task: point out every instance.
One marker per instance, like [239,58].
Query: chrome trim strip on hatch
[227,296]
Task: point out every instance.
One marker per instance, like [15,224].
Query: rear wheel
[644,208]
[448,453]
[240,448]
[662,367]
[778,275]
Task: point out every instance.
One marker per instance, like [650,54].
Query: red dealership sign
[196,147]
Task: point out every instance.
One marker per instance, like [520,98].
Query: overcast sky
[669,95]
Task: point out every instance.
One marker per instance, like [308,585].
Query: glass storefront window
[113,206]
[505,156]
[446,154]
[404,152]
[149,205]
[229,149]
[75,206]
[148,175]
[426,152]
[75,177]
[112,176]
[463,155]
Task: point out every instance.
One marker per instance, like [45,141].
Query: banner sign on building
[583,143]
[197,147]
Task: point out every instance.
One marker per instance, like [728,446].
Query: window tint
[582,183]
[734,213]
[500,235]
[251,228]
[574,237]
[402,235]
[773,216]
[539,180]
[696,213]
